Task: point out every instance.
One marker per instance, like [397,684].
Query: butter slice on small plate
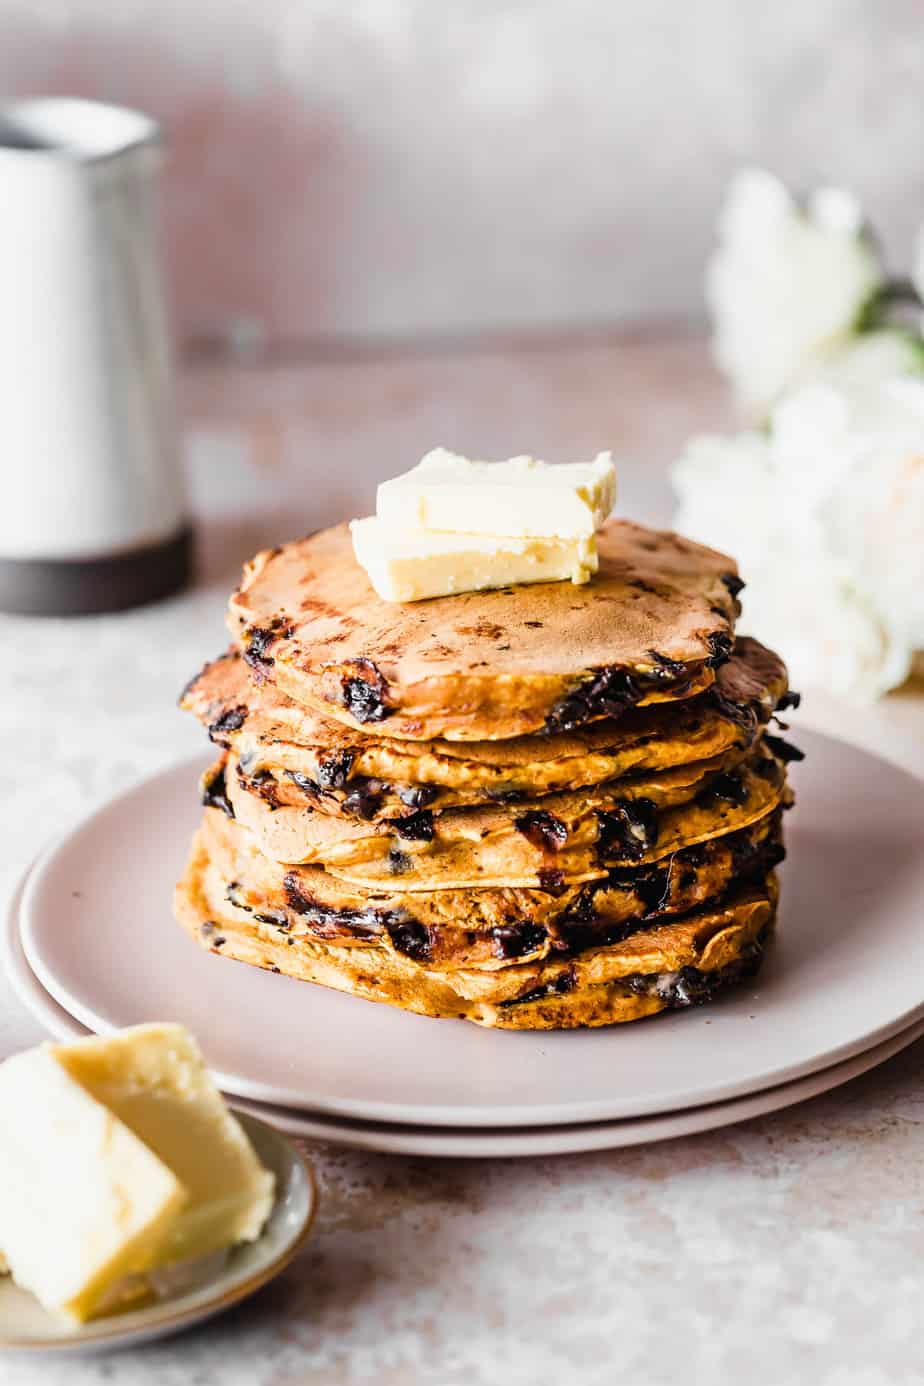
[190,1294]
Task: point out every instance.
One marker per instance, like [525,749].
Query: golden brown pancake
[539,807]
[676,964]
[490,928]
[299,825]
[558,839]
[367,775]
[650,626]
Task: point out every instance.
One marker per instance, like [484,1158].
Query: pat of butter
[408,565]
[520,498]
[118,1156]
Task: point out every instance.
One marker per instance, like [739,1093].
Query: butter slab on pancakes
[411,566]
[453,525]
[520,498]
[649,626]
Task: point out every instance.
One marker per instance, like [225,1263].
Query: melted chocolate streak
[365,693]
[263,784]
[334,771]
[516,940]
[552,881]
[559,986]
[306,784]
[726,787]
[259,640]
[783,750]
[215,793]
[416,796]
[364,799]
[415,827]
[544,830]
[744,715]
[327,922]
[231,720]
[628,830]
[607,693]
[366,795]
[720,648]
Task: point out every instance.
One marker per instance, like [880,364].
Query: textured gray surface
[395,166]
[789,1249]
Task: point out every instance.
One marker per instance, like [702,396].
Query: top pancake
[648,627]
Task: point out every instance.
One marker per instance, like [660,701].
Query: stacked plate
[90,946]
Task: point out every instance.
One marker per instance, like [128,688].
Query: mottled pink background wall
[409,166]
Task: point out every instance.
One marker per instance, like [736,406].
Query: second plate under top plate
[846,972]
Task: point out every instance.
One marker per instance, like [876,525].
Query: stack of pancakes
[538,807]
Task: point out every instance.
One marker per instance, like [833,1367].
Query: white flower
[785,285]
[827,631]
[862,364]
[726,487]
[825,514]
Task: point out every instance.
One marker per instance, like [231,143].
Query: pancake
[679,964]
[564,838]
[651,625]
[301,831]
[489,928]
[369,776]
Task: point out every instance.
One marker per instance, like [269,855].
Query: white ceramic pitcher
[92,508]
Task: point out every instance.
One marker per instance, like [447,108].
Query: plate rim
[587,1137]
[474,1117]
[26,987]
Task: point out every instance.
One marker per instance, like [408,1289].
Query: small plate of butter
[133,1201]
